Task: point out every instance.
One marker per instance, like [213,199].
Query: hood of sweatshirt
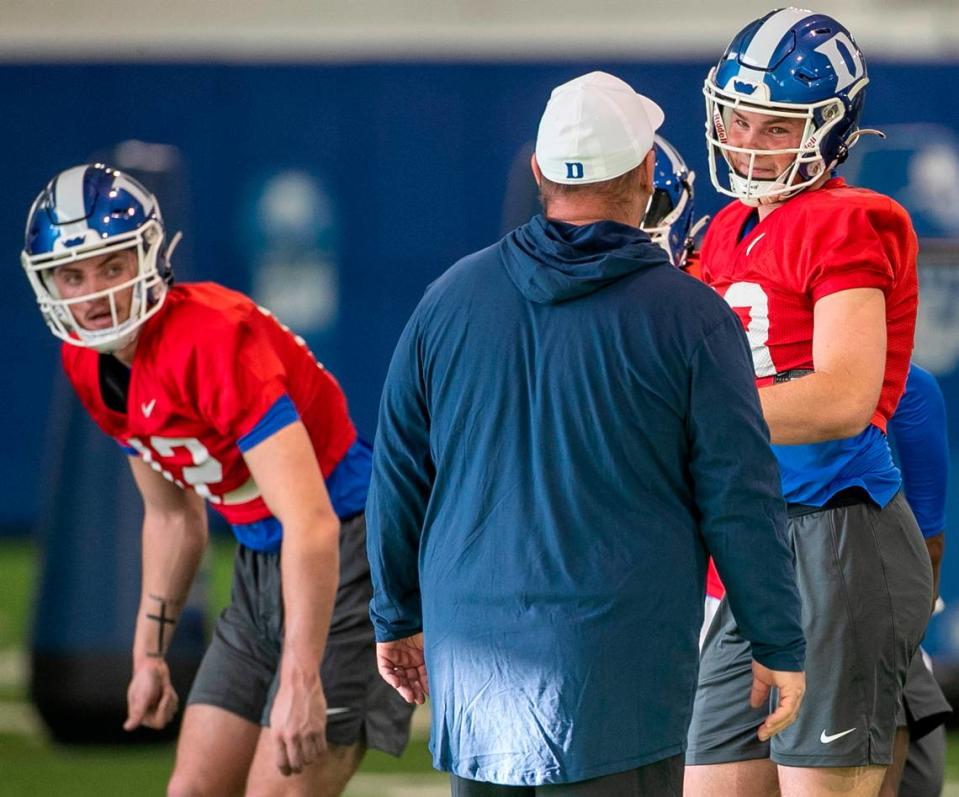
[551,261]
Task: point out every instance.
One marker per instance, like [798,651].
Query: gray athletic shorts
[925,707]
[865,582]
[239,671]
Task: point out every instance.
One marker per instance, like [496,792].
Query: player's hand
[298,716]
[402,665]
[151,699]
[791,686]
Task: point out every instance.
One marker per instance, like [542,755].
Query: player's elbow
[847,401]
[850,418]
[313,524]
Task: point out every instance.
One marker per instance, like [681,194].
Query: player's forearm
[172,549]
[815,408]
[310,572]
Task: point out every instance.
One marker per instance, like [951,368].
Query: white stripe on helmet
[68,195]
[125,184]
[770,33]
[674,160]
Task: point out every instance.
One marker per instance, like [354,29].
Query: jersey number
[205,469]
[751,297]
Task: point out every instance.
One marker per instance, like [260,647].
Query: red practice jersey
[213,375]
[820,242]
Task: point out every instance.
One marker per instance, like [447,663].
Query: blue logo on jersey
[743,87]
[574,171]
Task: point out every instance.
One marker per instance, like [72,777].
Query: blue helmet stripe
[770,34]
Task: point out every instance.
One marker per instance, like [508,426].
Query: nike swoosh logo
[826,738]
[148,406]
[331,711]
[750,249]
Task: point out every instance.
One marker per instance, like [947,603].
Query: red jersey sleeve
[238,376]
[859,250]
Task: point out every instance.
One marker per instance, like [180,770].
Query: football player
[213,398]
[917,432]
[823,276]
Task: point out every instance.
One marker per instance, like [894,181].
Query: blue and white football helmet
[88,211]
[790,63]
[669,215]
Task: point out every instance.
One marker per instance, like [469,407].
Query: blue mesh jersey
[917,434]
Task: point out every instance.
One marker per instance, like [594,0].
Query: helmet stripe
[124,183]
[675,161]
[770,33]
[68,195]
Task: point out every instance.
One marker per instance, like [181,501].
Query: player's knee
[184,784]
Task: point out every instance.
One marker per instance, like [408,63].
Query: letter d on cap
[574,171]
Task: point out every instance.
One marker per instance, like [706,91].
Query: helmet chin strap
[117,345]
[772,191]
[112,344]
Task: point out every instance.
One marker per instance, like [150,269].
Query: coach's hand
[791,686]
[151,699]
[402,665]
[298,716]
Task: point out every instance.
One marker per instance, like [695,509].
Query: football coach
[569,426]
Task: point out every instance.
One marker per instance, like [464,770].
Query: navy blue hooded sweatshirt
[568,425]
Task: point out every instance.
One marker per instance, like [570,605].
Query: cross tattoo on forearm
[164,620]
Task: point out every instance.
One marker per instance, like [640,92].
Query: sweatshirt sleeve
[918,434]
[739,497]
[403,474]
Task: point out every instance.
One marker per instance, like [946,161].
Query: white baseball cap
[595,128]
